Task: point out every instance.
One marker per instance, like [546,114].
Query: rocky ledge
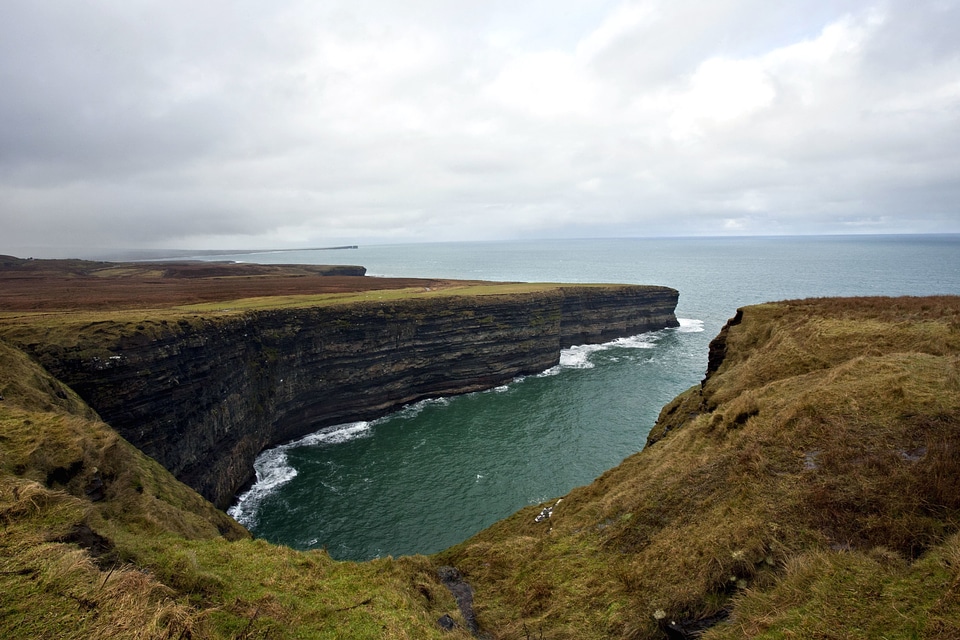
[205,394]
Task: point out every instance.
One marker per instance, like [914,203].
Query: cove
[427,477]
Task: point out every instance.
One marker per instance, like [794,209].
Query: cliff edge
[203,390]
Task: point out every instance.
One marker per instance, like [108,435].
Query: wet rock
[447,623]
[463,593]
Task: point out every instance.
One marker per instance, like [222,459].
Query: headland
[202,366]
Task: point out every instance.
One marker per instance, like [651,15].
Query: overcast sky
[242,124]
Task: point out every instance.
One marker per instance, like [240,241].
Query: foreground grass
[810,488]
[100,541]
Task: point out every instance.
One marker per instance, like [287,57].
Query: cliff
[205,393]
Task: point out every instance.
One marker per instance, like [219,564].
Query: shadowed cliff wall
[205,395]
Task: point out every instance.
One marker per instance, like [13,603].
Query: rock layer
[205,395]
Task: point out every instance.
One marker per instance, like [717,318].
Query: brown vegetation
[809,488]
[68,285]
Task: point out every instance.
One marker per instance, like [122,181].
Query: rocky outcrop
[205,394]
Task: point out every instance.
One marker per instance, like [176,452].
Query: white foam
[331,435]
[273,469]
[413,410]
[578,356]
[642,341]
[689,325]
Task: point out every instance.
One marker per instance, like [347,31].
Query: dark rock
[463,593]
[692,628]
[206,395]
[447,623]
[100,548]
[718,346]
[63,475]
[95,488]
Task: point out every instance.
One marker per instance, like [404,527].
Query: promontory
[203,365]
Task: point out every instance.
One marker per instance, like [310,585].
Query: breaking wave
[579,356]
[688,325]
[273,470]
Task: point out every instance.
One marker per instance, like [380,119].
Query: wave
[413,410]
[578,356]
[689,325]
[273,470]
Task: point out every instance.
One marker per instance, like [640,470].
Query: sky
[246,124]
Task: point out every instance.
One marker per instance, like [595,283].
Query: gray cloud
[297,123]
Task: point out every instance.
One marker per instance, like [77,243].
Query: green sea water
[433,474]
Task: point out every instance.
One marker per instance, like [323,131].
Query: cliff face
[205,395]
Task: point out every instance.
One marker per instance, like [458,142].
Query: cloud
[297,123]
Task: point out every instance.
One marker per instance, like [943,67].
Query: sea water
[433,474]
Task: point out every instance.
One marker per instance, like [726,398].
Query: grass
[98,540]
[810,488]
[386,295]
[91,333]
[833,594]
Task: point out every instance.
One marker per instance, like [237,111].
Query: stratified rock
[205,395]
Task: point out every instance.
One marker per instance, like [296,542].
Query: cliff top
[71,286]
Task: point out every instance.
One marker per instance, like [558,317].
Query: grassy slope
[90,327]
[810,489]
[152,559]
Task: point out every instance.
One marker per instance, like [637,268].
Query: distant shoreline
[181,254]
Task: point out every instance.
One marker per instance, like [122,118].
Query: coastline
[178,382]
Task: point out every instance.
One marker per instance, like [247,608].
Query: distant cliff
[204,394]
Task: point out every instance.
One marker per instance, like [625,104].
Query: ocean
[433,474]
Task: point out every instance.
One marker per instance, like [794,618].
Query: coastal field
[807,489]
[72,285]
[34,288]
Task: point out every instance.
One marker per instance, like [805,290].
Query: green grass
[834,594]
[388,295]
